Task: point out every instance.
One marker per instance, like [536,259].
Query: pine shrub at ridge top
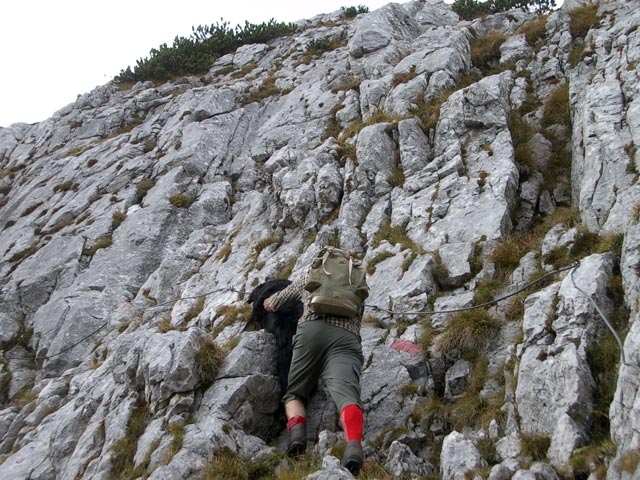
[194,54]
[470,9]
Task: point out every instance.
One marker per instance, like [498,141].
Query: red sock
[295,421]
[352,422]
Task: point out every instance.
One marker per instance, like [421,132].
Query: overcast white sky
[54,50]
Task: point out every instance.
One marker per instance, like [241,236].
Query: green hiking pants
[328,352]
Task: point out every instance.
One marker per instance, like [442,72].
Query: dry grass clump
[316,48]
[224,251]
[355,127]
[602,357]
[629,462]
[535,30]
[396,178]
[231,314]
[149,145]
[62,223]
[428,112]
[582,19]
[165,325]
[556,107]
[535,447]
[180,200]
[287,268]
[23,398]
[209,357]
[393,235]
[228,464]
[101,242]
[260,245]
[585,243]
[65,186]
[521,132]
[507,254]
[30,209]
[124,450]
[143,187]
[117,218]
[348,83]
[593,459]
[266,89]
[467,333]
[576,55]
[195,310]
[26,253]
[177,431]
[379,258]
[248,68]
[486,290]
[485,51]
[405,77]
[345,151]
[333,125]
[470,411]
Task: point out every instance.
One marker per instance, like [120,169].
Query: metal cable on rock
[572,267]
[603,316]
[104,325]
[482,305]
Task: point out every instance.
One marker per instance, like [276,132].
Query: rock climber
[328,347]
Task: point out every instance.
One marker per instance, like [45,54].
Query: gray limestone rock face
[458,457]
[389,367]
[457,379]
[515,48]
[52,267]
[604,122]
[402,461]
[380,29]
[625,421]
[554,394]
[376,159]
[455,258]
[414,147]
[126,207]
[331,470]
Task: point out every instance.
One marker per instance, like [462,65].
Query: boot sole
[353,465]
[296,449]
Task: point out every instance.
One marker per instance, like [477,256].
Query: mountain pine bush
[470,9]
[194,54]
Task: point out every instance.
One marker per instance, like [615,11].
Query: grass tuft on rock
[467,333]
[209,357]
[124,450]
[485,52]
[142,187]
[101,242]
[535,447]
[181,200]
[582,19]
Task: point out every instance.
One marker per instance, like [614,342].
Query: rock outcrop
[486,171]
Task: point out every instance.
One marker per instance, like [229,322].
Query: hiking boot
[297,440]
[353,457]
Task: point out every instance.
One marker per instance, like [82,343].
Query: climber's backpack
[336,283]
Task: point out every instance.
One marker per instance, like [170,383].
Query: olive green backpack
[336,283]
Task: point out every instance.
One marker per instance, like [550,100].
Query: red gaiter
[352,422]
[295,421]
